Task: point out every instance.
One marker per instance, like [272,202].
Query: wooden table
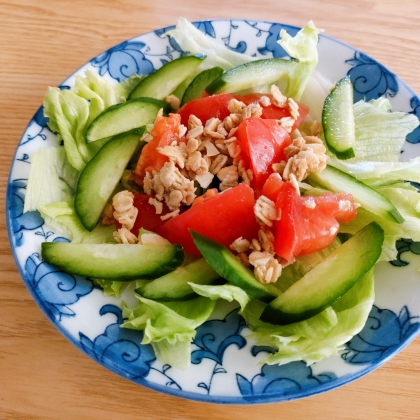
[42,375]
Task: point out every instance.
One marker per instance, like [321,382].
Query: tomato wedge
[223,218]
[272,187]
[262,144]
[308,224]
[164,132]
[206,108]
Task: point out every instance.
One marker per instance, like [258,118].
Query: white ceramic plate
[225,365]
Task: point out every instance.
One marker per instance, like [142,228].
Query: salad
[224,177]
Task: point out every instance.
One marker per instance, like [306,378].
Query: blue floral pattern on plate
[383,333]
[226,366]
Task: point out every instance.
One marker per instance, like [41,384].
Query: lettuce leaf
[111,287]
[303,48]
[380,133]
[68,114]
[192,40]
[97,90]
[318,337]
[380,173]
[51,178]
[62,217]
[227,292]
[169,326]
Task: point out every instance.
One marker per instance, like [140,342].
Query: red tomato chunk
[308,224]
[223,218]
[262,144]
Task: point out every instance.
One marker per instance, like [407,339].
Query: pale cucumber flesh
[338,120]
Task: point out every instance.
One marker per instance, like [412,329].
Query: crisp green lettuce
[68,114]
[303,48]
[192,40]
[169,326]
[380,133]
[380,173]
[62,217]
[51,178]
[320,336]
[97,90]
[227,292]
[111,287]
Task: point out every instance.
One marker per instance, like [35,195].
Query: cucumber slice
[164,81]
[249,75]
[122,118]
[329,280]
[122,262]
[339,181]
[196,88]
[174,285]
[167,109]
[100,177]
[227,266]
[338,120]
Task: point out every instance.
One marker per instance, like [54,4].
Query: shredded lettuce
[169,326]
[51,178]
[62,217]
[320,336]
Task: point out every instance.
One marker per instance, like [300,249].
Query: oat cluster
[259,254]
[305,155]
[125,213]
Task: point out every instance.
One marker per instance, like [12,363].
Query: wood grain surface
[42,375]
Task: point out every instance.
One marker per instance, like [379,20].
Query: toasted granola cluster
[305,155]
[259,254]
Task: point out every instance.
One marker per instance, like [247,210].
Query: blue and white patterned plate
[226,367]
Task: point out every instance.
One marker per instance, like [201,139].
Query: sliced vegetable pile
[219,177]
